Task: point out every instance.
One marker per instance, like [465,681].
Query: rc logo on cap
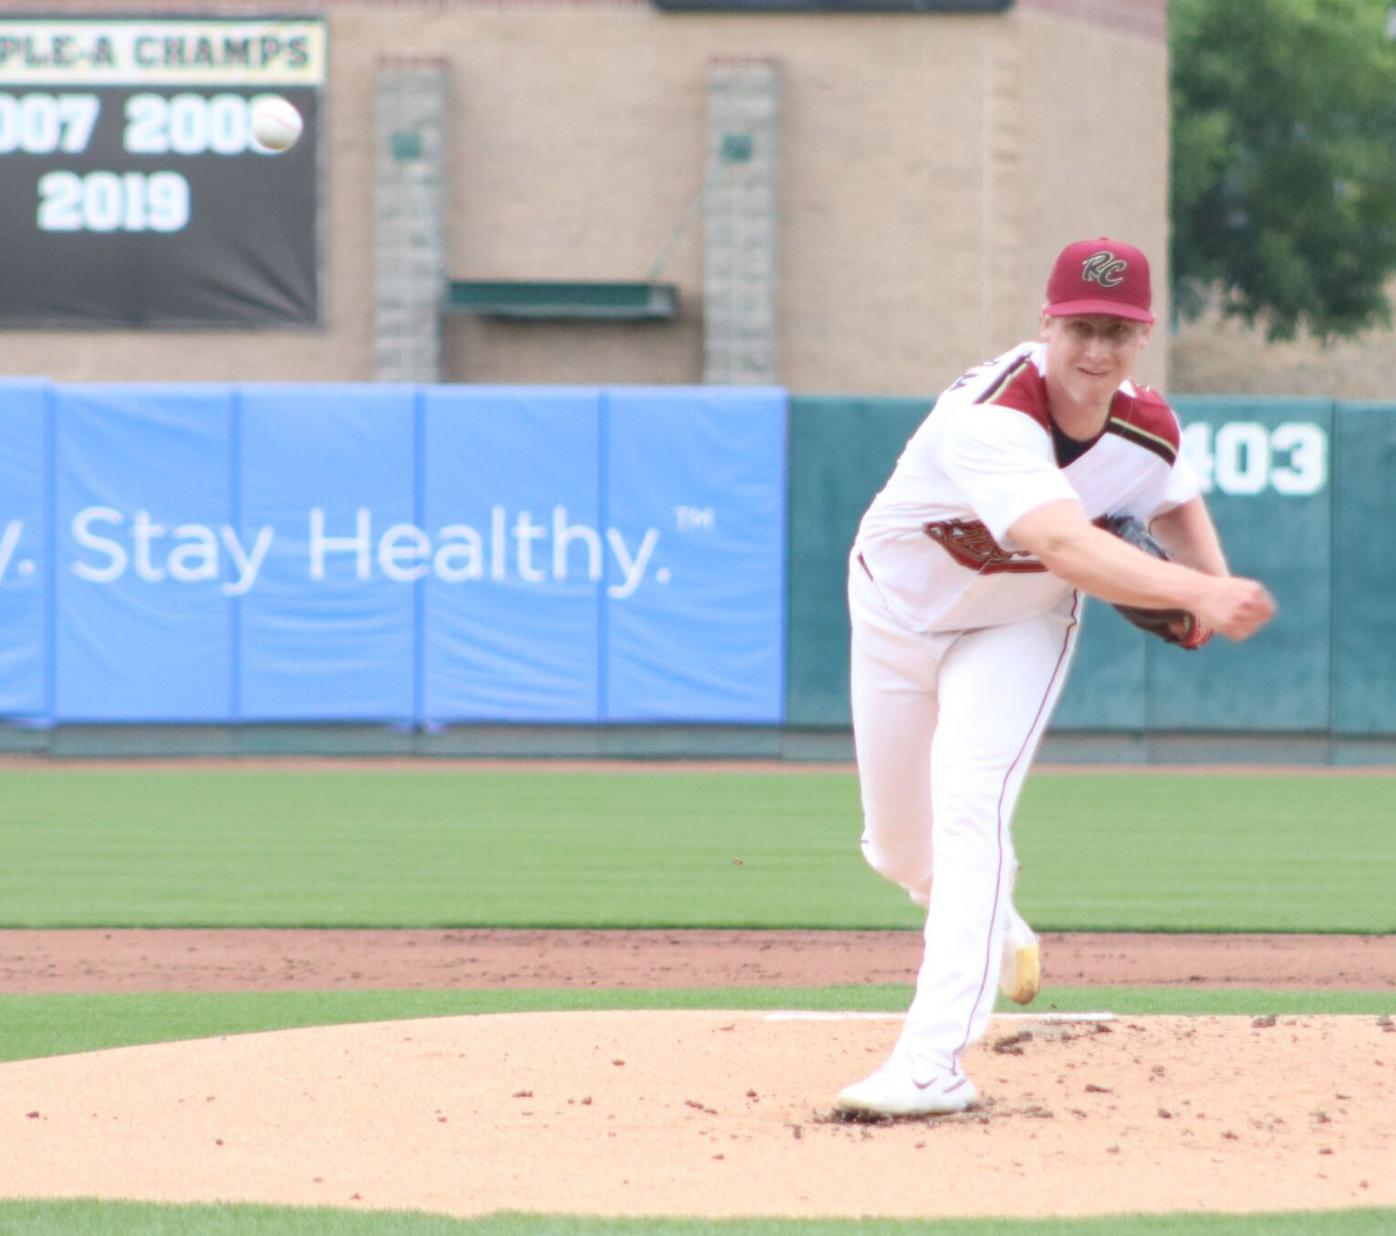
[1104,268]
[1099,275]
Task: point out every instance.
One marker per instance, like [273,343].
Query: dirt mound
[709,1113]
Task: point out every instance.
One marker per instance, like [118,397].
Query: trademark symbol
[691,518]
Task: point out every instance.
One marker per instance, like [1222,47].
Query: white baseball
[275,124]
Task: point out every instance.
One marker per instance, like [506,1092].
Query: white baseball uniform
[961,644]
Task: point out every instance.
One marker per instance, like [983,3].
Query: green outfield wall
[1302,493]
[841,451]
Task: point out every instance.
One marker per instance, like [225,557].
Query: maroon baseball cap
[1100,276]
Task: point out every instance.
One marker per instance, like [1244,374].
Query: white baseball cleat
[899,1089]
[1020,972]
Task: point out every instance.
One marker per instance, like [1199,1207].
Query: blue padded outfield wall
[417,556]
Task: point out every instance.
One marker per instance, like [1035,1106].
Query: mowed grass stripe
[89,1218]
[565,848]
[54,1025]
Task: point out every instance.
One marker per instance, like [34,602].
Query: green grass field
[51,1025]
[136,847]
[105,1219]
[655,849]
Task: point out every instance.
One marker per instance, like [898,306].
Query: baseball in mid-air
[275,123]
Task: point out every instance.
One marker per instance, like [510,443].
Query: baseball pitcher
[1038,476]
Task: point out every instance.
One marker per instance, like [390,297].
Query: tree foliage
[1284,161]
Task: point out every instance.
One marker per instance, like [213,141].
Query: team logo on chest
[1104,268]
[972,545]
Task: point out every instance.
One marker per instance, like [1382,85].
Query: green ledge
[552,300]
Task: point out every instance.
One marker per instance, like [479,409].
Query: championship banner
[132,190]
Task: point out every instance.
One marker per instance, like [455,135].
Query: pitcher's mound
[720,1114]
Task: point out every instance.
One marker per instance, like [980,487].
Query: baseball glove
[1173,626]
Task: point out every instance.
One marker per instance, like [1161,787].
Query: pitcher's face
[1089,355]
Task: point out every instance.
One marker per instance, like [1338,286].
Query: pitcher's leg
[893,695]
[998,687]
[893,730]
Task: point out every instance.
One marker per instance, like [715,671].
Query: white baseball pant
[945,728]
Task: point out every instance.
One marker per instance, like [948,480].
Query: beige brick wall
[1095,152]
[932,165]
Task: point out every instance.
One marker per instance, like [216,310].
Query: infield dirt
[111,960]
[701,1113]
